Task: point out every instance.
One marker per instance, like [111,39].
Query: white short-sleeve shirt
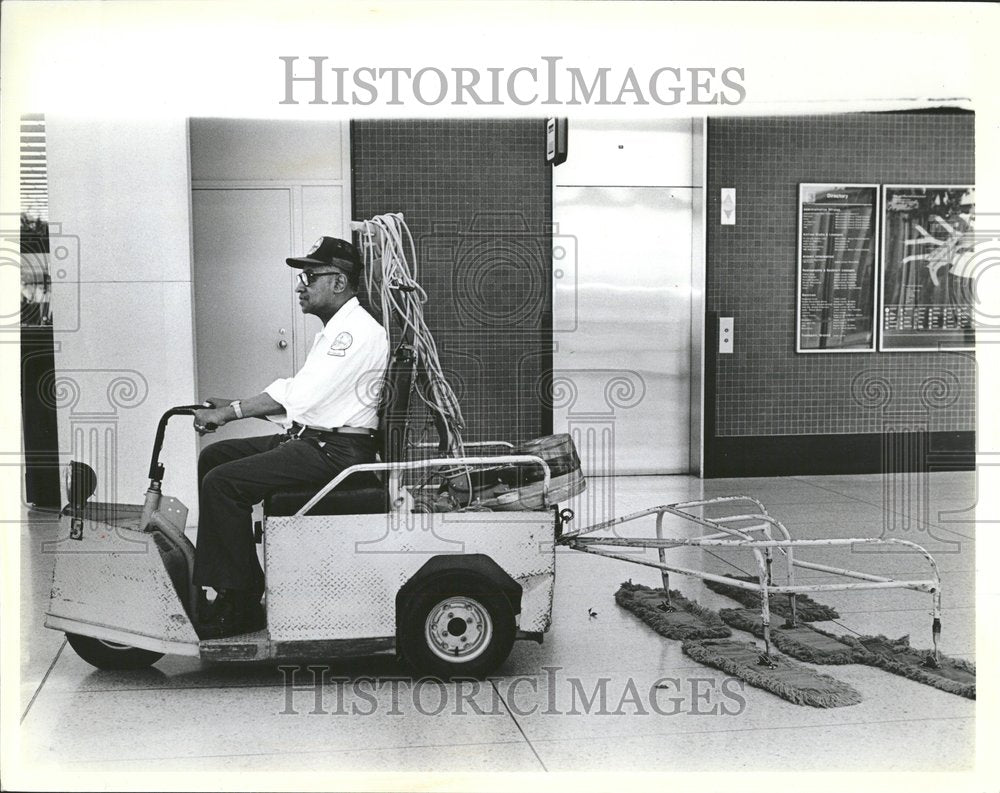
[340,382]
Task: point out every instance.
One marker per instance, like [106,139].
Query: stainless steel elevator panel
[622,319]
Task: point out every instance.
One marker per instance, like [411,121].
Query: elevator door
[622,326]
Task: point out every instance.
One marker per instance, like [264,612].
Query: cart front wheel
[457,628]
[111,655]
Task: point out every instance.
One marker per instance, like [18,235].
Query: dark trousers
[233,475]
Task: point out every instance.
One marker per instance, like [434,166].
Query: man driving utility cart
[329,413]
[347,573]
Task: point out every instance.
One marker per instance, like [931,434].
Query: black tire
[111,655]
[456,626]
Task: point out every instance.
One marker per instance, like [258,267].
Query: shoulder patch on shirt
[340,344]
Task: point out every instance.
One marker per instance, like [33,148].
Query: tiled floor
[586,699]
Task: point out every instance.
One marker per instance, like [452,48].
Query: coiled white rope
[391,286]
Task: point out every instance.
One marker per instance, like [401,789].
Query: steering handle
[186,410]
[189,410]
[155,468]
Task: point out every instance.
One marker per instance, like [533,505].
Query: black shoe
[206,608]
[233,613]
[203,608]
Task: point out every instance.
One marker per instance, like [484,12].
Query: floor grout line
[519,727]
[755,728]
[884,508]
[324,751]
[42,682]
[944,611]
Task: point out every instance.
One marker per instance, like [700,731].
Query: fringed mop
[788,679]
[806,609]
[802,642]
[688,620]
[895,655]
[809,643]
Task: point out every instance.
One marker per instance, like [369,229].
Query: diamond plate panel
[336,576]
[114,576]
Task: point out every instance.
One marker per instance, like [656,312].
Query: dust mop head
[686,620]
[806,609]
[813,645]
[897,656]
[788,679]
[803,642]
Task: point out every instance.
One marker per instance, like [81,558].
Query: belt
[324,434]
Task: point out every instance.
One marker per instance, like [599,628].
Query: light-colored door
[245,311]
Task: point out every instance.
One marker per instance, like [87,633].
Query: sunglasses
[308,278]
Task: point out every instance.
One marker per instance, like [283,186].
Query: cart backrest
[394,403]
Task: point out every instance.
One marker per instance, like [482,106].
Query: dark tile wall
[765,388]
[477,196]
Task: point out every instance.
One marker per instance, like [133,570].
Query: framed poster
[926,295]
[838,227]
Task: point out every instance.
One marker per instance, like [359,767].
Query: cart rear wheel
[111,655]
[457,627]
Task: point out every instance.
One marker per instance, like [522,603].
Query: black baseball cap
[330,252]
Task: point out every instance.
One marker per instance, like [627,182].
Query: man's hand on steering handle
[219,411]
[210,419]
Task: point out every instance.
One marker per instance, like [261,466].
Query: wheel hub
[458,629]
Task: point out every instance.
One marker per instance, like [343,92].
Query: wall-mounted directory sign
[838,229]
[927,285]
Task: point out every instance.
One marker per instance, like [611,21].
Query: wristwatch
[237,408]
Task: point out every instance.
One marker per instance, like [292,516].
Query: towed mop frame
[728,536]
[384,235]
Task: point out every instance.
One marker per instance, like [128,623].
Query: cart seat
[360,494]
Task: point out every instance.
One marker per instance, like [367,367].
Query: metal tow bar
[752,531]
